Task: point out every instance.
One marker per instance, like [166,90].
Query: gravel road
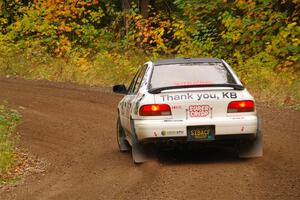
[73,128]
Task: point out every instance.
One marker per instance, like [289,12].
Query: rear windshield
[190,74]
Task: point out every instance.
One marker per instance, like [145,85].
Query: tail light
[155,110]
[241,106]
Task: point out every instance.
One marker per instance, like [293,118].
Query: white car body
[204,107]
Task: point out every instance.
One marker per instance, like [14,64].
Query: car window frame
[139,79]
[133,82]
[134,88]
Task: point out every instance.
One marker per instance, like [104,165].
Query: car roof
[186,60]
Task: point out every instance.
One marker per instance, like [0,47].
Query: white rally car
[187,100]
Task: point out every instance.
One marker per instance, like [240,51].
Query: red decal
[199,110]
[193,83]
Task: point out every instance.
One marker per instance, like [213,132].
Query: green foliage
[58,25]
[8,122]
[260,39]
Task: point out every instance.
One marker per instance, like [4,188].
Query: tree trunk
[125,7]
[144,4]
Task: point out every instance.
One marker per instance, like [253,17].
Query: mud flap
[140,153]
[252,149]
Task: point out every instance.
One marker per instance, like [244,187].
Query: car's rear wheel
[121,138]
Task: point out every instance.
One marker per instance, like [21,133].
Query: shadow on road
[198,155]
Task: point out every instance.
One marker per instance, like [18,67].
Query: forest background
[104,42]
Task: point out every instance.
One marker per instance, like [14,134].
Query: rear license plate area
[201,133]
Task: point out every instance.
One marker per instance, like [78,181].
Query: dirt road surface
[73,128]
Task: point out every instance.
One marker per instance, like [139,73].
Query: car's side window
[132,84]
[139,79]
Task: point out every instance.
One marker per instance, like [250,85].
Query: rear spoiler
[158,90]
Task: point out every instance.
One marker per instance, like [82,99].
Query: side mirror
[120,89]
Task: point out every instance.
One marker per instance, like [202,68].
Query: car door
[130,99]
[123,104]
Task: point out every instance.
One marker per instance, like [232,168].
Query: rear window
[190,74]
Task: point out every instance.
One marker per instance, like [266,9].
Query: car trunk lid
[198,104]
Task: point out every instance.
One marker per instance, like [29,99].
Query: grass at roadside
[9,119]
[278,88]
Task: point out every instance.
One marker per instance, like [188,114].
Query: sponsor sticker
[175,107]
[199,110]
[171,132]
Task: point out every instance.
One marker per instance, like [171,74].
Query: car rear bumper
[226,127]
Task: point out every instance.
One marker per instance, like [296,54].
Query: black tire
[121,138]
